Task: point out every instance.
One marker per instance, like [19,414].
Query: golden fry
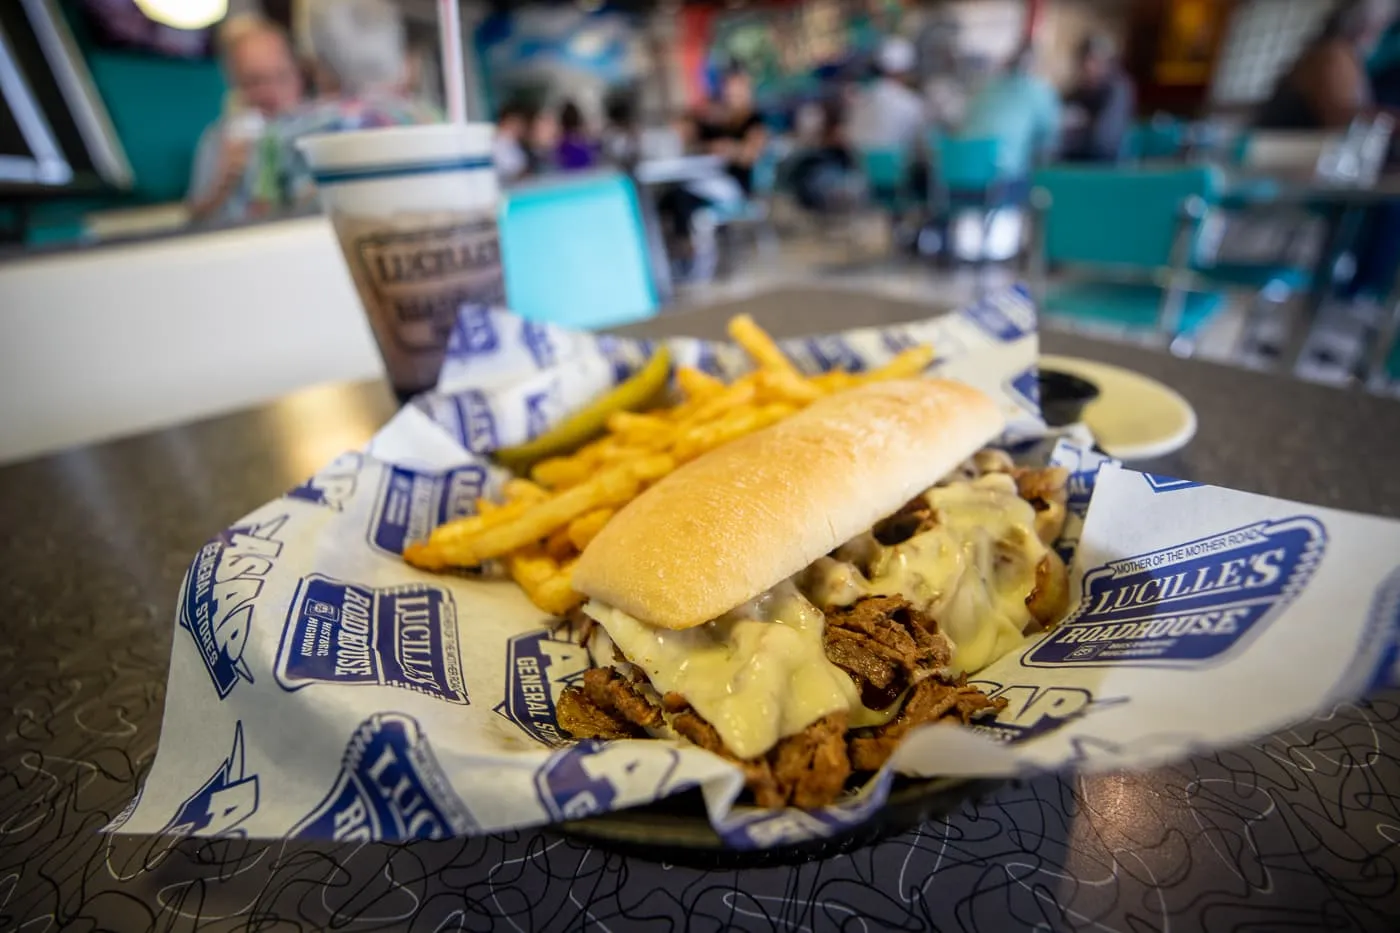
[637,428]
[696,384]
[556,595]
[522,490]
[786,387]
[835,381]
[651,467]
[758,344]
[907,363]
[608,488]
[559,546]
[739,394]
[530,566]
[558,472]
[586,527]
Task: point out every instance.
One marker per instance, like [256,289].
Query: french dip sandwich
[801,598]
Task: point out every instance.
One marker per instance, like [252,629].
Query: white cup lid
[392,146]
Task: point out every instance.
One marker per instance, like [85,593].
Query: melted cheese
[760,672]
[757,673]
[971,572]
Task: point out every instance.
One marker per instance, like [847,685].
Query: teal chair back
[965,164]
[576,252]
[1159,138]
[1116,217]
[765,173]
[885,169]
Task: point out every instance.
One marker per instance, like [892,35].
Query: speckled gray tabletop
[1301,830]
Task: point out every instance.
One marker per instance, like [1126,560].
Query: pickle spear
[588,422]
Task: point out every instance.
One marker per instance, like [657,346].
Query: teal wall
[158,106]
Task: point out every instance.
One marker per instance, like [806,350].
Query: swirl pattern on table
[1300,829]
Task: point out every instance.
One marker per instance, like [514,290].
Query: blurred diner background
[1213,178]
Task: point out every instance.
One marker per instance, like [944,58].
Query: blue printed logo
[753,828]
[473,334]
[412,504]
[1083,465]
[1160,483]
[333,486]
[224,803]
[537,340]
[539,665]
[897,340]
[594,777]
[477,425]
[832,353]
[1007,321]
[537,413]
[1025,389]
[347,634]
[1383,627]
[216,606]
[1186,604]
[390,788]
[1035,709]
[626,356]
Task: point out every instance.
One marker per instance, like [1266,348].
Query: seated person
[1022,112]
[361,68]
[263,76]
[1099,110]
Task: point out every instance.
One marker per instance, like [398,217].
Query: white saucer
[1134,417]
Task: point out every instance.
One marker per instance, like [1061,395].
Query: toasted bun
[742,518]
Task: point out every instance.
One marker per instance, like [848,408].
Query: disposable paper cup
[414,208]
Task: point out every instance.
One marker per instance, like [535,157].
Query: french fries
[544,522]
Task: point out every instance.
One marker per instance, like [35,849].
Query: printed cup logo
[222,585]
[473,334]
[223,803]
[594,777]
[1186,604]
[333,486]
[538,668]
[347,635]
[412,504]
[390,787]
[420,278]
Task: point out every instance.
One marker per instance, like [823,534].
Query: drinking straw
[453,74]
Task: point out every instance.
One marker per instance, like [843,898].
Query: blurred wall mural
[541,55]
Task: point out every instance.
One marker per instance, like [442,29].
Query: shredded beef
[929,701]
[1047,490]
[610,691]
[580,717]
[805,770]
[607,706]
[885,644]
[914,517]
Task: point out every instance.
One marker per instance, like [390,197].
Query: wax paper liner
[320,688]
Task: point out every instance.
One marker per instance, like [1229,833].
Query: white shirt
[887,116]
[509,157]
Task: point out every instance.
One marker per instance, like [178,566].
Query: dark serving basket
[676,831]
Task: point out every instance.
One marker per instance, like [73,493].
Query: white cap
[896,55]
